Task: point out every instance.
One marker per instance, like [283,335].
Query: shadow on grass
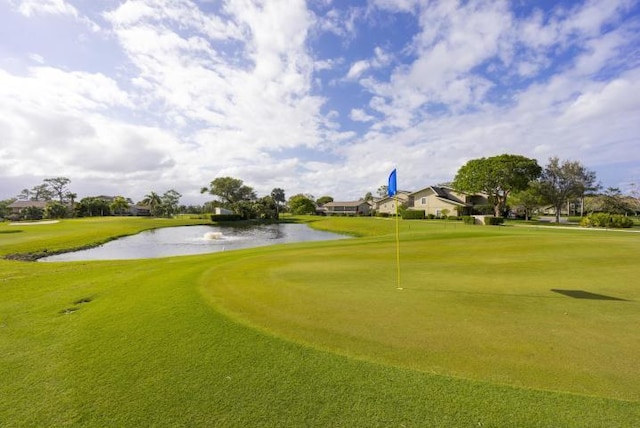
[11,231]
[581,294]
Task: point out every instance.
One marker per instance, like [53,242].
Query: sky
[319,97]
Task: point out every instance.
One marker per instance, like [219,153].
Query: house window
[438,213]
[423,201]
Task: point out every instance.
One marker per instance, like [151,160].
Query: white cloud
[32,8]
[52,7]
[357,68]
[360,115]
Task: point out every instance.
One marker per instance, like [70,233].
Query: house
[388,205]
[222,211]
[18,206]
[347,208]
[442,200]
[139,210]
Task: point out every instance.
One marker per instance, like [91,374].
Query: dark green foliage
[92,207]
[413,215]
[615,221]
[431,216]
[302,204]
[385,215]
[467,219]
[32,213]
[226,217]
[454,217]
[55,209]
[493,221]
[497,176]
[4,207]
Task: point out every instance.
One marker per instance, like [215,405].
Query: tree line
[511,182]
[530,186]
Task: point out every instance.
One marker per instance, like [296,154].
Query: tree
[55,209]
[561,182]
[614,202]
[24,195]
[31,213]
[525,201]
[169,203]
[58,186]
[119,205]
[71,197]
[368,197]
[230,190]
[383,191]
[4,207]
[154,202]
[324,200]
[40,193]
[265,207]
[497,176]
[92,206]
[278,197]
[301,204]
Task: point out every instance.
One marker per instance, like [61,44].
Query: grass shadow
[581,294]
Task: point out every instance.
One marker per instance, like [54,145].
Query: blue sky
[321,97]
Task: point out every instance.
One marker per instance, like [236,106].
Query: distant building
[347,208]
[18,206]
[388,205]
[222,211]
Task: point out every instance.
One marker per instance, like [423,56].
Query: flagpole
[397,242]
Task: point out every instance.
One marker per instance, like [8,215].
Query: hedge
[413,215]
[226,217]
[467,219]
[493,221]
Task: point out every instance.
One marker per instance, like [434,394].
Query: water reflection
[186,240]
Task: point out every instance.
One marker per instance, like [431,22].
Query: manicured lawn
[316,334]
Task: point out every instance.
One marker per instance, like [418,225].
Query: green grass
[316,334]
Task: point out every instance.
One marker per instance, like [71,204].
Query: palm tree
[153,201]
[119,205]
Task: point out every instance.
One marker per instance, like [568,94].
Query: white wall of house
[222,211]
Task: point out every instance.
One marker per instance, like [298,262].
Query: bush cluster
[493,221]
[413,215]
[467,219]
[614,221]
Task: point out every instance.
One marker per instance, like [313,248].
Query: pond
[188,240]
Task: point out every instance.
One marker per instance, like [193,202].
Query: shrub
[431,216]
[382,215]
[467,219]
[413,215]
[493,221]
[606,220]
[454,217]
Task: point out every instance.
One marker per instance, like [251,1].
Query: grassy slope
[148,350]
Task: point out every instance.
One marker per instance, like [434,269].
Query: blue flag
[392,188]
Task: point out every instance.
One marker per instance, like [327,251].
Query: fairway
[495,326]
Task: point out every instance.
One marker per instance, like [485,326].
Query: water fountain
[213,235]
